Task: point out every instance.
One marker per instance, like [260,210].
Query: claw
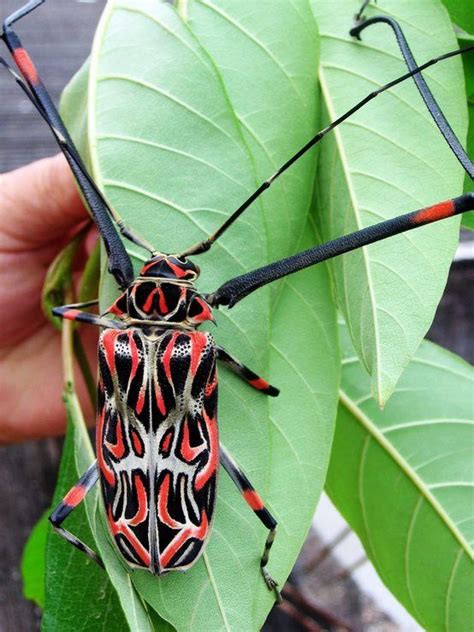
[272,585]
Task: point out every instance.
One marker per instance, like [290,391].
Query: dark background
[59,37]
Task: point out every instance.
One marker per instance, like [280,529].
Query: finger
[39,204]
[32,407]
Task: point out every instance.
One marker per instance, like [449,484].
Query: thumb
[39,203]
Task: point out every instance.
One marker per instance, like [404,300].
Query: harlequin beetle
[157,439]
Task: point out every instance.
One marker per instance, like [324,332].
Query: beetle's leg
[74,312]
[255,503]
[72,499]
[246,374]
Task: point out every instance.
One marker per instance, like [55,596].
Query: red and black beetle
[158,448]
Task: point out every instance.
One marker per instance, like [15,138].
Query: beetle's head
[170,267]
[163,291]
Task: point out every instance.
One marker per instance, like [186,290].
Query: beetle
[157,438]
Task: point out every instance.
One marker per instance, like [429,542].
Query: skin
[40,210]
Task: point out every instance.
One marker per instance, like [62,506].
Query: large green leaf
[404,480]
[468,64]
[461,13]
[184,118]
[386,160]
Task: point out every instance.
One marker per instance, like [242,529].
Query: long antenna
[205,245]
[104,215]
[70,151]
[426,94]
[236,289]
[119,263]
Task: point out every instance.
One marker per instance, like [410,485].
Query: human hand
[40,211]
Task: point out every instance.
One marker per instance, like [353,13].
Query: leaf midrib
[215,589]
[96,173]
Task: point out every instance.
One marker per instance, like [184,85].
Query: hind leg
[255,503]
[72,499]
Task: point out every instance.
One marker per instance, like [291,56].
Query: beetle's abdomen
[157,444]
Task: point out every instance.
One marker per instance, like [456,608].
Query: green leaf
[468,218]
[461,14]
[387,160]
[89,287]
[184,119]
[468,64]
[33,562]
[403,478]
[468,221]
[79,595]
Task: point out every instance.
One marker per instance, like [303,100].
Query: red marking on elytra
[199,532]
[210,387]
[134,355]
[118,448]
[142,497]
[433,213]
[141,399]
[138,446]
[253,499]
[260,384]
[120,527]
[23,60]
[188,452]
[108,341]
[135,362]
[75,496]
[198,344]
[210,468]
[167,356]
[159,400]
[166,442]
[163,496]
[104,468]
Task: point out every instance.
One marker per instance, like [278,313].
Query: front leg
[246,374]
[74,312]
